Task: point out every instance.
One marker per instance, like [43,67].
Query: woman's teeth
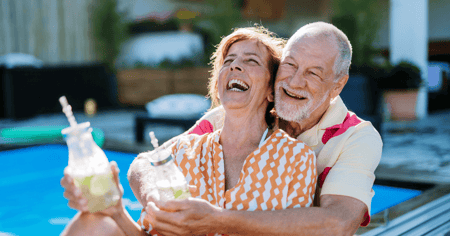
[237,85]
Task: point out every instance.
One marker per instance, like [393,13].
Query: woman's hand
[73,193]
[80,203]
[190,216]
[116,209]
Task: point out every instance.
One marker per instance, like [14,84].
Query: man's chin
[292,114]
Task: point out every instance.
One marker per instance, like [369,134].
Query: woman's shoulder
[283,139]
[281,134]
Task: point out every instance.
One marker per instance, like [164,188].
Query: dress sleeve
[353,173]
[304,177]
[145,224]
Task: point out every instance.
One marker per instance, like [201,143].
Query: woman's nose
[235,65]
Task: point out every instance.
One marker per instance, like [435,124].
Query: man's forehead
[308,42]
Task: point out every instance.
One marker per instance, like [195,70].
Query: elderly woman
[247,165]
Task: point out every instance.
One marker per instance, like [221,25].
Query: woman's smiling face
[244,79]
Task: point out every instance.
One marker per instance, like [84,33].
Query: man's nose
[297,80]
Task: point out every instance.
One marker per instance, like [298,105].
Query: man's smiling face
[305,83]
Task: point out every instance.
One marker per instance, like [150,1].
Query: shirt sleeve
[214,117]
[353,173]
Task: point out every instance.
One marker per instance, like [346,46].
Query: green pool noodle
[43,133]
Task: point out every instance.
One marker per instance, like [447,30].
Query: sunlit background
[134,66]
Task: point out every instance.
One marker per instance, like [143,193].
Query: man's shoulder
[354,136]
[364,127]
[215,117]
[196,139]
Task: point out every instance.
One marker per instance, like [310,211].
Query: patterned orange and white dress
[280,174]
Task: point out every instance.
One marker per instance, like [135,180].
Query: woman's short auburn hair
[273,44]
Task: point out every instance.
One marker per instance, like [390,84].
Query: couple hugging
[280,154]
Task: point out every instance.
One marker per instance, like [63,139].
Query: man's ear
[270,97]
[339,85]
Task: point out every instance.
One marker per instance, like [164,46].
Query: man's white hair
[330,32]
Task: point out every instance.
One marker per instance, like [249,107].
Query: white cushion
[12,60]
[151,49]
[178,106]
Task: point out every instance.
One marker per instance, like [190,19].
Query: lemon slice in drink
[100,184]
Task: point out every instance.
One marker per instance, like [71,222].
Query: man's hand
[184,217]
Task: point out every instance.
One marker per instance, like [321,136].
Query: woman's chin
[234,105]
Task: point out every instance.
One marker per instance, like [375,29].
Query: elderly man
[312,73]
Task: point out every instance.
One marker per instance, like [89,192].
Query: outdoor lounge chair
[176,110]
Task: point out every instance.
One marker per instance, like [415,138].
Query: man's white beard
[292,112]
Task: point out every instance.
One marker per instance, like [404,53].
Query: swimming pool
[32,202]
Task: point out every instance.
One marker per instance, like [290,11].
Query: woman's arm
[86,223]
[139,172]
[126,223]
[118,212]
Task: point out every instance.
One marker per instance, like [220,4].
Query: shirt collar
[334,115]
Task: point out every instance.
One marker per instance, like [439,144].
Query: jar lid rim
[161,162]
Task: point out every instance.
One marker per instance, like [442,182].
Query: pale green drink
[100,191]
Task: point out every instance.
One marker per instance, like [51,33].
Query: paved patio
[417,151]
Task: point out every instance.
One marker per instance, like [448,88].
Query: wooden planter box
[137,87]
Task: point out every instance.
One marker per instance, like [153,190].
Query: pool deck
[414,151]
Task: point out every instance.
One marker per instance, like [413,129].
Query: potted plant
[109,30]
[400,90]
[360,21]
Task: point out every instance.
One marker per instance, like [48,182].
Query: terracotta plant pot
[401,104]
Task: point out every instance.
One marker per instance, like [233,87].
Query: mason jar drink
[90,169]
[168,179]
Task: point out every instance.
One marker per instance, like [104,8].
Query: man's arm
[338,215]
[346,196]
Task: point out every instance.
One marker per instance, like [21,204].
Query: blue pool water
[32,202]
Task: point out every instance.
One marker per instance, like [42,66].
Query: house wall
[54,31]
[438,28]
[58,31]
[439,18]
[300,13]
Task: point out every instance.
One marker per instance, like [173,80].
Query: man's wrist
[224,221]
